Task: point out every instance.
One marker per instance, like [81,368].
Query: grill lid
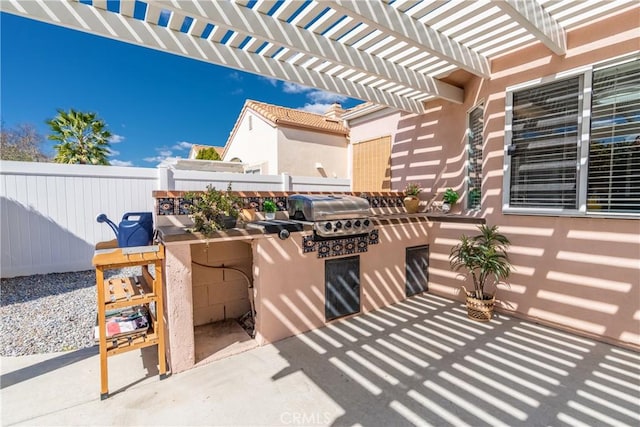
[306,207]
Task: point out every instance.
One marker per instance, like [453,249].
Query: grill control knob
[284,234]
[347,225]
[366,222]
[338,225]
[328,226]
[357,224]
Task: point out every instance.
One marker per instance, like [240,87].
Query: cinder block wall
[220,294]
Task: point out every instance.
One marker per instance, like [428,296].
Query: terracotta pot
[411,204]
[248,215]
[480,310]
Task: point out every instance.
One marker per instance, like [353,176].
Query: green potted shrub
[411,200]
[486,261]
[269,208]
[213,210]
[449,198]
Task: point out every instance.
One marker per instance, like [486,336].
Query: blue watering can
[135,229]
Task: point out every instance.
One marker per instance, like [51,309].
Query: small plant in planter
[269,208]
[213,210]
[450,197]
[486,261]
[411,201]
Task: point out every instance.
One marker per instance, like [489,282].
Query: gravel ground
[49,312]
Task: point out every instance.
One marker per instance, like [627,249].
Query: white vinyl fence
[48,211]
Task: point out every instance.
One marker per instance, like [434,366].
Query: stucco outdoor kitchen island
[296,284]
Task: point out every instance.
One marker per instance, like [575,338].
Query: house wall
[374,125]
[582,274]
[254,142]
[299,150]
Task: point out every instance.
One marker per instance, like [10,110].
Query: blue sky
[155,104]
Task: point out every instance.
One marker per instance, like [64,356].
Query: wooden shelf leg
[158,288]
[102,332]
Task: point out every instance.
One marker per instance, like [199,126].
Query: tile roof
[291,117]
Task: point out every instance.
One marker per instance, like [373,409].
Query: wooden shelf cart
[117,293]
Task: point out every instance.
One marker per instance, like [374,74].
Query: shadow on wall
[422,362]
[33,244]
[430,149]
[561,276]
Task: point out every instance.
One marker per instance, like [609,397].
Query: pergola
[398,53]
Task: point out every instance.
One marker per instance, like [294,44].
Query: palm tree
[82,137]
[485,258]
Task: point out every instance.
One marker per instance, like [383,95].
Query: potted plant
[485,258]
[213,210]
[411,200]
[449,198]
[269,208]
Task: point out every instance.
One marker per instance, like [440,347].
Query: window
[573,145]
[474,170]
[614,147]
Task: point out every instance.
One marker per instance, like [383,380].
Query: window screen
[544,145]
[614,147]
[474,177]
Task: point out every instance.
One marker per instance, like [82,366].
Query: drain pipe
[249,285]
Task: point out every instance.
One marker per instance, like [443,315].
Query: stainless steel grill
[332,216]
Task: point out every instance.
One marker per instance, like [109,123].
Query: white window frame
[584,124]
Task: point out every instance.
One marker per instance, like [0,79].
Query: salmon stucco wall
[578,273]
[290,285]
[178,307]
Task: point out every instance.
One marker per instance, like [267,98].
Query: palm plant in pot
[486,261]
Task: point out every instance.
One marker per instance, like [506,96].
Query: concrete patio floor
[419,362]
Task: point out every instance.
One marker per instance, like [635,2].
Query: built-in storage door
[417,270]
[342,287]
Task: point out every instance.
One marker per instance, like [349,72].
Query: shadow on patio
[423,362]
[419,362]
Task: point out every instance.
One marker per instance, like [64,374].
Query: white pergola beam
[127,7]
[153,13]
[537,21]
[238,18]
[197,28]
[92,20]
[175,21]
[396,24]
